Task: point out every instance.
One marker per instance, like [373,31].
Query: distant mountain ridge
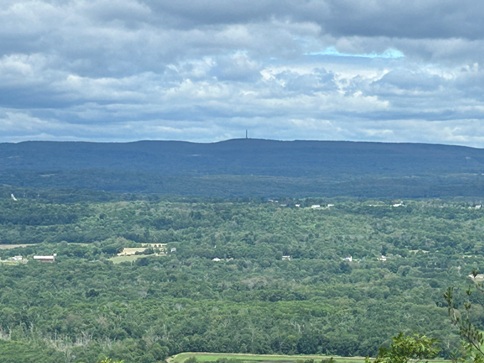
[243,167]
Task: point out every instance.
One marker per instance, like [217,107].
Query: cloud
[387,54]
[207,70]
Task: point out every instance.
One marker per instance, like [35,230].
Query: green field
[131,258]
[13,263]
[212,357]
[9,247]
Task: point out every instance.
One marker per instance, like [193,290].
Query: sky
[208,70]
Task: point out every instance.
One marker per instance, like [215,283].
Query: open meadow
[269,358]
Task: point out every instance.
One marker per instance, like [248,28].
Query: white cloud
[206,70]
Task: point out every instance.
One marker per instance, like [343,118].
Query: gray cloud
[208,70]
[415,19]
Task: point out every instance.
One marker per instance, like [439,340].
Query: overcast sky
[207,70]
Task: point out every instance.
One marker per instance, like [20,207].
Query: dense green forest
[244,168]
[293,276]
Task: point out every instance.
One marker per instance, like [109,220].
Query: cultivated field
[262,358]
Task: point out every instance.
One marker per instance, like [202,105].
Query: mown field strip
[212,357]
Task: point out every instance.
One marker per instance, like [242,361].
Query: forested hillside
[240,246]
[247,168]
[336,277]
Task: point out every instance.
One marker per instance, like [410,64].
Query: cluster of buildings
[40,258]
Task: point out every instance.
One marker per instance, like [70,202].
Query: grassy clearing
[119,259]
[129,251]
[23,245]
[9,247]
[263,358]
[130,258]
[13,263]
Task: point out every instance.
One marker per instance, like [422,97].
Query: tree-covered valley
[232,247]
[243,168]
[293,276]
